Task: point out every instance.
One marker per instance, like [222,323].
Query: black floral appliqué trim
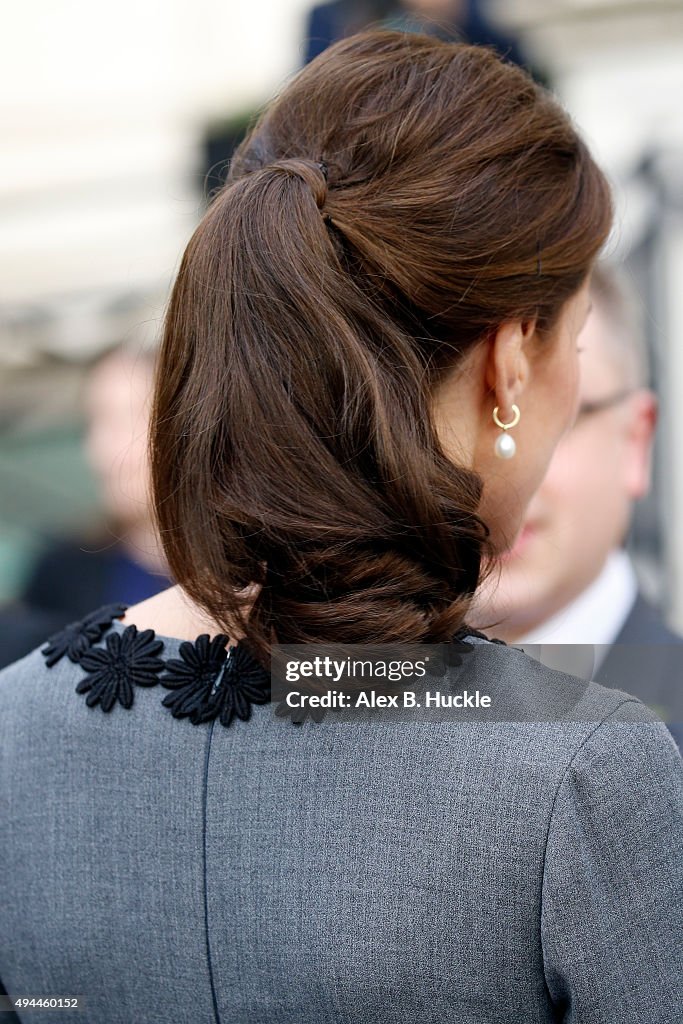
[466,631]
[78,637]
[129,658]
[208,681]
[193,676]
[299,715]
[447,656]
[244,682]
[451,655]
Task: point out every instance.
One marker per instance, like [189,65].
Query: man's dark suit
[646,659]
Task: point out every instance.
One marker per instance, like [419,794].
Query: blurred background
[117,122]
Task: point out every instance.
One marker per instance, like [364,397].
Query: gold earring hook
[513,422]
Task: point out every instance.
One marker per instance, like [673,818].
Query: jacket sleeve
[612,901]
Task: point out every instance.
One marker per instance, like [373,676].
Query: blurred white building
[102,106]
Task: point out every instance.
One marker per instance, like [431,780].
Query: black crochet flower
[128,658]
[193,676]
[450,655]
[299,715]
[76,638]
[466,631]
[244,682]
[210,682]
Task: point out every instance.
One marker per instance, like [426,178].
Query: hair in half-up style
[400,200]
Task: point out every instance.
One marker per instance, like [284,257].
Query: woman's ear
[508,363]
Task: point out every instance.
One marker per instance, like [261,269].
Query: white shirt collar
[597,615]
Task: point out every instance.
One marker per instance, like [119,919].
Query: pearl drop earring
[505,447]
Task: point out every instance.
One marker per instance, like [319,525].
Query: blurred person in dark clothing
[456,20]
[453,20]
[568,580]
[120,559]
[123,561]
[328,22]
[22,629]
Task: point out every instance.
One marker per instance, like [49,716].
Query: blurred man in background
[120,558]
[568,580]
[454,20]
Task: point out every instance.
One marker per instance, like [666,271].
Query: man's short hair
[616,298]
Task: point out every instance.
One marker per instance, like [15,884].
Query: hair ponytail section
[384,214]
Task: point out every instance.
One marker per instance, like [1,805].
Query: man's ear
[640,432]
[508,363]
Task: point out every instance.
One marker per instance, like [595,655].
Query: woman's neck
[172,613]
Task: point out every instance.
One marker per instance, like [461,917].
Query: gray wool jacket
[332,872]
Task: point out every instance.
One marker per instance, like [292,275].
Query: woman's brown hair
[396,203]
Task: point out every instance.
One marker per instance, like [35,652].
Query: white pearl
[505,446]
